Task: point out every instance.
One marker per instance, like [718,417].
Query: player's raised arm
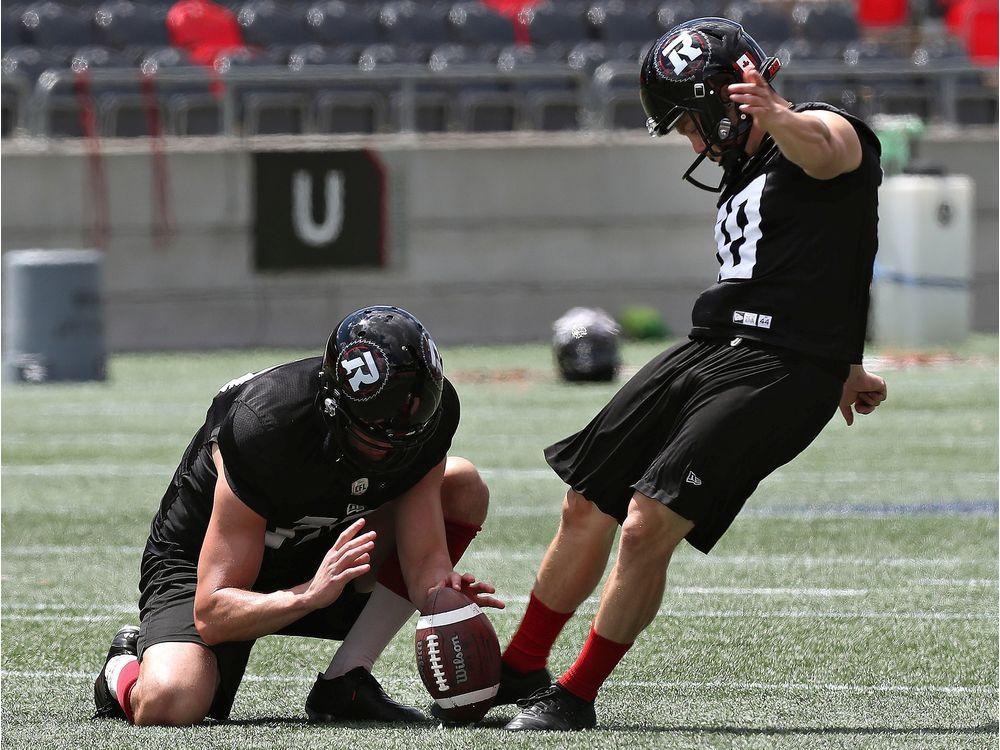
[823,143]
[225,609]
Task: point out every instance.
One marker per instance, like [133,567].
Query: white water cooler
[923,270]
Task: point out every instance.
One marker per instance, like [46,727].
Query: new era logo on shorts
[752,319]
[693,478]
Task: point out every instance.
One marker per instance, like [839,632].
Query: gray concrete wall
[490,238]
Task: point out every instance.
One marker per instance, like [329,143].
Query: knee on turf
[167,702]
[464,495]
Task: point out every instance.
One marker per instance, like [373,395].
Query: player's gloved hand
[478,591]
[862,390]
[348,558]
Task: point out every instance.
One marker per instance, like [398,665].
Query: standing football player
[775,348]
[317,500]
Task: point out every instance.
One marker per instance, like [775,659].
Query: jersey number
[737,232]
[363,371]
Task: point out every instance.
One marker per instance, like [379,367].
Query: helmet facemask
[372,446]
[721,126]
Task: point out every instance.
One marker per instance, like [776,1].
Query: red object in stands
[512,9]
[976,22]
[882,12]
[203,28]
[982,23]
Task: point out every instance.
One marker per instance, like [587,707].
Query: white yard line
[613,683]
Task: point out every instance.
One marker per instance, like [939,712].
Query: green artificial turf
[852,605]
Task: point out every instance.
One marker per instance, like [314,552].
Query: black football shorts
[698,428]
[166,611]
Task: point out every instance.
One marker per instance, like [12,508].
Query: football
[458,656]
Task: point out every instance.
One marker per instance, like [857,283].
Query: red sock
[530,647]
[458,535]
[592,667]
[126,681]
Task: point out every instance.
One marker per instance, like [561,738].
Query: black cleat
[554,709]
[514,686]
[356,696]
[106,702]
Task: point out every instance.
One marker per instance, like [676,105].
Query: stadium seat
[704,8]
[271,107]
[618,98]
[475,25]
[670,14]
[587,56]
[131,28]
[863,51]
[340,107]
[55,26]
[768,24]
[544,103]
[193,106]
[21,67]
[335,23]
[10,31]
[556,26]
[614,23]
[29,62]
[316,54]
[824,24]
[272,27]
[414,29]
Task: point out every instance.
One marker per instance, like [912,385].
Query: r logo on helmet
[365,368]
[681,51]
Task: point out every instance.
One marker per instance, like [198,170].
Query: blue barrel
[53,321]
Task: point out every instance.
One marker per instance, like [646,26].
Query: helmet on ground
[686,72]
[381,386]
[585,343]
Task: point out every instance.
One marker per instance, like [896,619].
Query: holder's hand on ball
[478,591]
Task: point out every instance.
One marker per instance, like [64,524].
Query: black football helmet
[585,344]
[685,73]
[381,386]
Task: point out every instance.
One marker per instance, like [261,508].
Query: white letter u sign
[308,230]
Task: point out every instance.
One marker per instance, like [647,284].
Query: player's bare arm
[864,391]
[225,609]
[423,549]
[823,143]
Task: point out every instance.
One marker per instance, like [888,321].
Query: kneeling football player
[317,500]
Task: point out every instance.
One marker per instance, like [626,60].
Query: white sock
[383,616]
[114,668]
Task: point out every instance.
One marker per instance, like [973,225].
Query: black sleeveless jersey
[281,462]
[796,254]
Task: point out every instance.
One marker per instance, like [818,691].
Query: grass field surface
[852,605]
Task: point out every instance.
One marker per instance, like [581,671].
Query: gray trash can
[53,321]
